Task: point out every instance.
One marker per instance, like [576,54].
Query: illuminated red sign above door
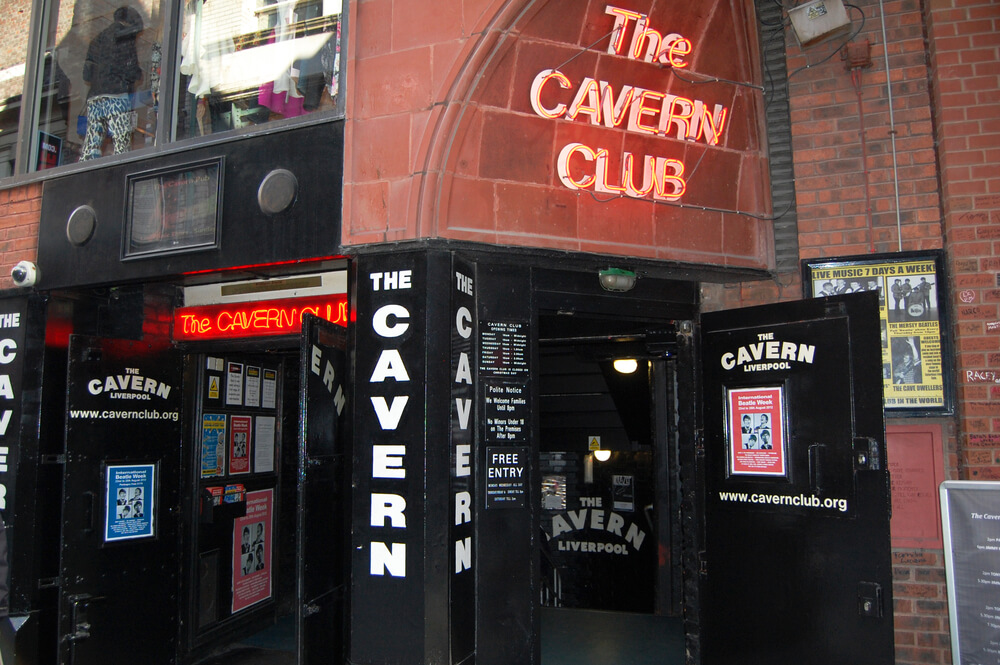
[261,318]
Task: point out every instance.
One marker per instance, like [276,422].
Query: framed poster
[970,514]
[213,445]
[916,358]
[756,425]
[252,551]
[129,503]
[173,210]
[239,444]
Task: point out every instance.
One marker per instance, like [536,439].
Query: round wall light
[616,279]
[626,365]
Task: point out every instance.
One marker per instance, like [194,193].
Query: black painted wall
[309,228]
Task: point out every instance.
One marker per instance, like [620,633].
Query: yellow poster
[912,371]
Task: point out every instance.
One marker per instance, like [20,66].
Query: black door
[796,563]
[120,536]
[322,525]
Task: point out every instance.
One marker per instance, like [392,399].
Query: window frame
[27,144]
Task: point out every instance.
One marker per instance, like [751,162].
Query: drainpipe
[892,126]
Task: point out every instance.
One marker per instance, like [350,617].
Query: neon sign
[261,318]
[632,109]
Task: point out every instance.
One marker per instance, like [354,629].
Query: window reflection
[249,62]
[100,82]
[15,23]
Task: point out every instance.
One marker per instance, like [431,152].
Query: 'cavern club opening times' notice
[970,511]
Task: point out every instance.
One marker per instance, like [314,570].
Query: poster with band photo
[129,501]
[911,299]
[239,445]
[756,431]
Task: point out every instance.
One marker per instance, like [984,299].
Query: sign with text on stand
[970,513]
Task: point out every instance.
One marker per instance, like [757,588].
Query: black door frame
[652,301]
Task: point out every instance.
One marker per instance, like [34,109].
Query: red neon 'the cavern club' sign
[636,110]
[261,318]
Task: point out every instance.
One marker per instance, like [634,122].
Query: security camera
[24,273]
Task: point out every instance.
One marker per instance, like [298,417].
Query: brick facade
[944,62]
[19,214]
[944,68]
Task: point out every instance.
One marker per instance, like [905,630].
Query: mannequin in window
[112,70]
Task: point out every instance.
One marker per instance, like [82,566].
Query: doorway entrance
[267,562]
[608,468]
[204,511]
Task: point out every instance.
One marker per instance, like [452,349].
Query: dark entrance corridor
[593,637]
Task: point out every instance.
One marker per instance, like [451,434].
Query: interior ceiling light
[617,279]
[602,455]
[626,365]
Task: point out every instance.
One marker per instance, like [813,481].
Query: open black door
[322,526]
[120,538]
[796,567]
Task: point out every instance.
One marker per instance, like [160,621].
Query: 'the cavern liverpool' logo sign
[650,113]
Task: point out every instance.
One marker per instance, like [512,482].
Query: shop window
[107,81]
[15,24]
[99,81]
[249,62]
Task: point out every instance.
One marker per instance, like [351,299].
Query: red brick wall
[964,39]
[15,21]
[946,95]
[20,209]
[921,607]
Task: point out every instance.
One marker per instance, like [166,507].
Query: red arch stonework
[484,164]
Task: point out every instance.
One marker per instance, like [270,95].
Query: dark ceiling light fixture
[617,280]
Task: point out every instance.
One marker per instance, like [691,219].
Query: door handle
[88,511]
[817,452]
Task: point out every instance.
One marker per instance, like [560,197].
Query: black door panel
[796,558]
[120,557]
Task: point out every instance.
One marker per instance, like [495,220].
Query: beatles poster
[911,294]
[129,503]
[756,432]
[213,445]
[252,551]
[239,445]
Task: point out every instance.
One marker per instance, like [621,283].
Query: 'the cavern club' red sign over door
[634,109]
[261,318]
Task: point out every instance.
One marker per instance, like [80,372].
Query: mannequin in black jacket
[112,70]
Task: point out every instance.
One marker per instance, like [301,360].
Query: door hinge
[867,454]
[53,459]
[49,582]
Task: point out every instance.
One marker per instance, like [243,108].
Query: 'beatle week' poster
[756,439]
[129,502]
[252,551]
